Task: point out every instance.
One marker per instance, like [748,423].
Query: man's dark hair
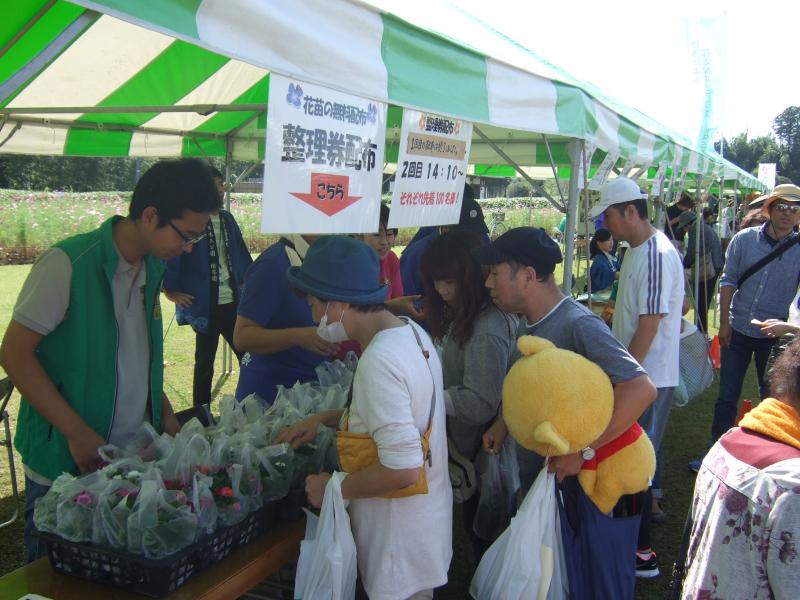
[685,200]
[640,204]
[174,186]
[785,376]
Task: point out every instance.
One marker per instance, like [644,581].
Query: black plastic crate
[155,577]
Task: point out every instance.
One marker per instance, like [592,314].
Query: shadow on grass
[12,554]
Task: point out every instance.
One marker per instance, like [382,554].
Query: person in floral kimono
[746,507]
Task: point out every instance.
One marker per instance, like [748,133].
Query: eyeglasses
[187,241]
[781,207]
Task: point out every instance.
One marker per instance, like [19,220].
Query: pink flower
[85,498]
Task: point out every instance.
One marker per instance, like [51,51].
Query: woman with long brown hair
[478,341]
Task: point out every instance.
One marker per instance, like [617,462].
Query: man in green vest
[85,345]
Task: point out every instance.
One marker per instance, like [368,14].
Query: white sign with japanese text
[603,171]
[431,170]
[323,163]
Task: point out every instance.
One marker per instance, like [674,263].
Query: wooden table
[226,580]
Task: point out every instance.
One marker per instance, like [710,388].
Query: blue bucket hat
[338,267]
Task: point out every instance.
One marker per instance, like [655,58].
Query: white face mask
[332,332]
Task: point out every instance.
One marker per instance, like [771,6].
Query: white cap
[617,191]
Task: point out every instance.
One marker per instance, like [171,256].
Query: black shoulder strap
[776,252]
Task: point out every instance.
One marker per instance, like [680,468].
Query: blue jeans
[35,548]
[735,360]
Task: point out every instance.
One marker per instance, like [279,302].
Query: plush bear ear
[530,344]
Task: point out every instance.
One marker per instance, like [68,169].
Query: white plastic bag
[326,569]
[523,564]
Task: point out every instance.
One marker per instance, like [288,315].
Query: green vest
[80,354]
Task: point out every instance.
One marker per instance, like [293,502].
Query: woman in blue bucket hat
[400,504]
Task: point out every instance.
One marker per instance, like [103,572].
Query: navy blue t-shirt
[269,300]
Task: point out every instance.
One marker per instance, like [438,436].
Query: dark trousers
[220,322]
[735,360]
[704,299]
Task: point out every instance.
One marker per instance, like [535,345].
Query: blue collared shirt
[767,293]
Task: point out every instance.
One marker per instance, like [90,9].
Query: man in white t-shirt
[403,543]
[647,313]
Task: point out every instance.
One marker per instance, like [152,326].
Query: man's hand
[300,433]
[725,333]
[315,488]
[308,339]
[83,449]
[565,466]
[179,298]
[495,436]
[169,424]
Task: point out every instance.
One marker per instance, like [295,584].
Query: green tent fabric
[190,78]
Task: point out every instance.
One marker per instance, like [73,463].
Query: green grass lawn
[685,440]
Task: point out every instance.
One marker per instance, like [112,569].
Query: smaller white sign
[431,170]
[658,180]
[681,182]
[766,174]
[601,175]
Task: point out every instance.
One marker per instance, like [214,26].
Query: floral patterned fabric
[746,521]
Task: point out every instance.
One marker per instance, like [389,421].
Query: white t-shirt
[225,292]
[794,310]
[651,283]
[404,545]
[42,305]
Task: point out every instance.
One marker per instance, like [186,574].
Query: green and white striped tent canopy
[190,78]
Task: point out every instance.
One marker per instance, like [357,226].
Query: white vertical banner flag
[766,174]
[682,182]
[323,163]
[603,171]
[658,180]
[431,169]
[585,163]
[627,168]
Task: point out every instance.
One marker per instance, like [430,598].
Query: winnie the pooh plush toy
[556,402]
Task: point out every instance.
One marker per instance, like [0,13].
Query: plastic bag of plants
[276,465]
[161,522]
[202,503]
[148,445]
[232,506]
[76,506]
[45,514]
[114,506]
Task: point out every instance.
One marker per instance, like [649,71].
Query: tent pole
[553,168]
[575,150]
[537,186]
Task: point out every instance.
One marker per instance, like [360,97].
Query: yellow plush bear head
[555,402]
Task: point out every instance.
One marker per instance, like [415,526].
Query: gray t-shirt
[571,326]
[42,305]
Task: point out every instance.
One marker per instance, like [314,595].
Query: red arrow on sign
[329,193]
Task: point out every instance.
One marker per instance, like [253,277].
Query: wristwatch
[588,453]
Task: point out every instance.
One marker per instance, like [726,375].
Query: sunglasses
[187,241]
[794,208]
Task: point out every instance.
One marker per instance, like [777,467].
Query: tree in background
[747,153]
[83,173]
[787,128]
